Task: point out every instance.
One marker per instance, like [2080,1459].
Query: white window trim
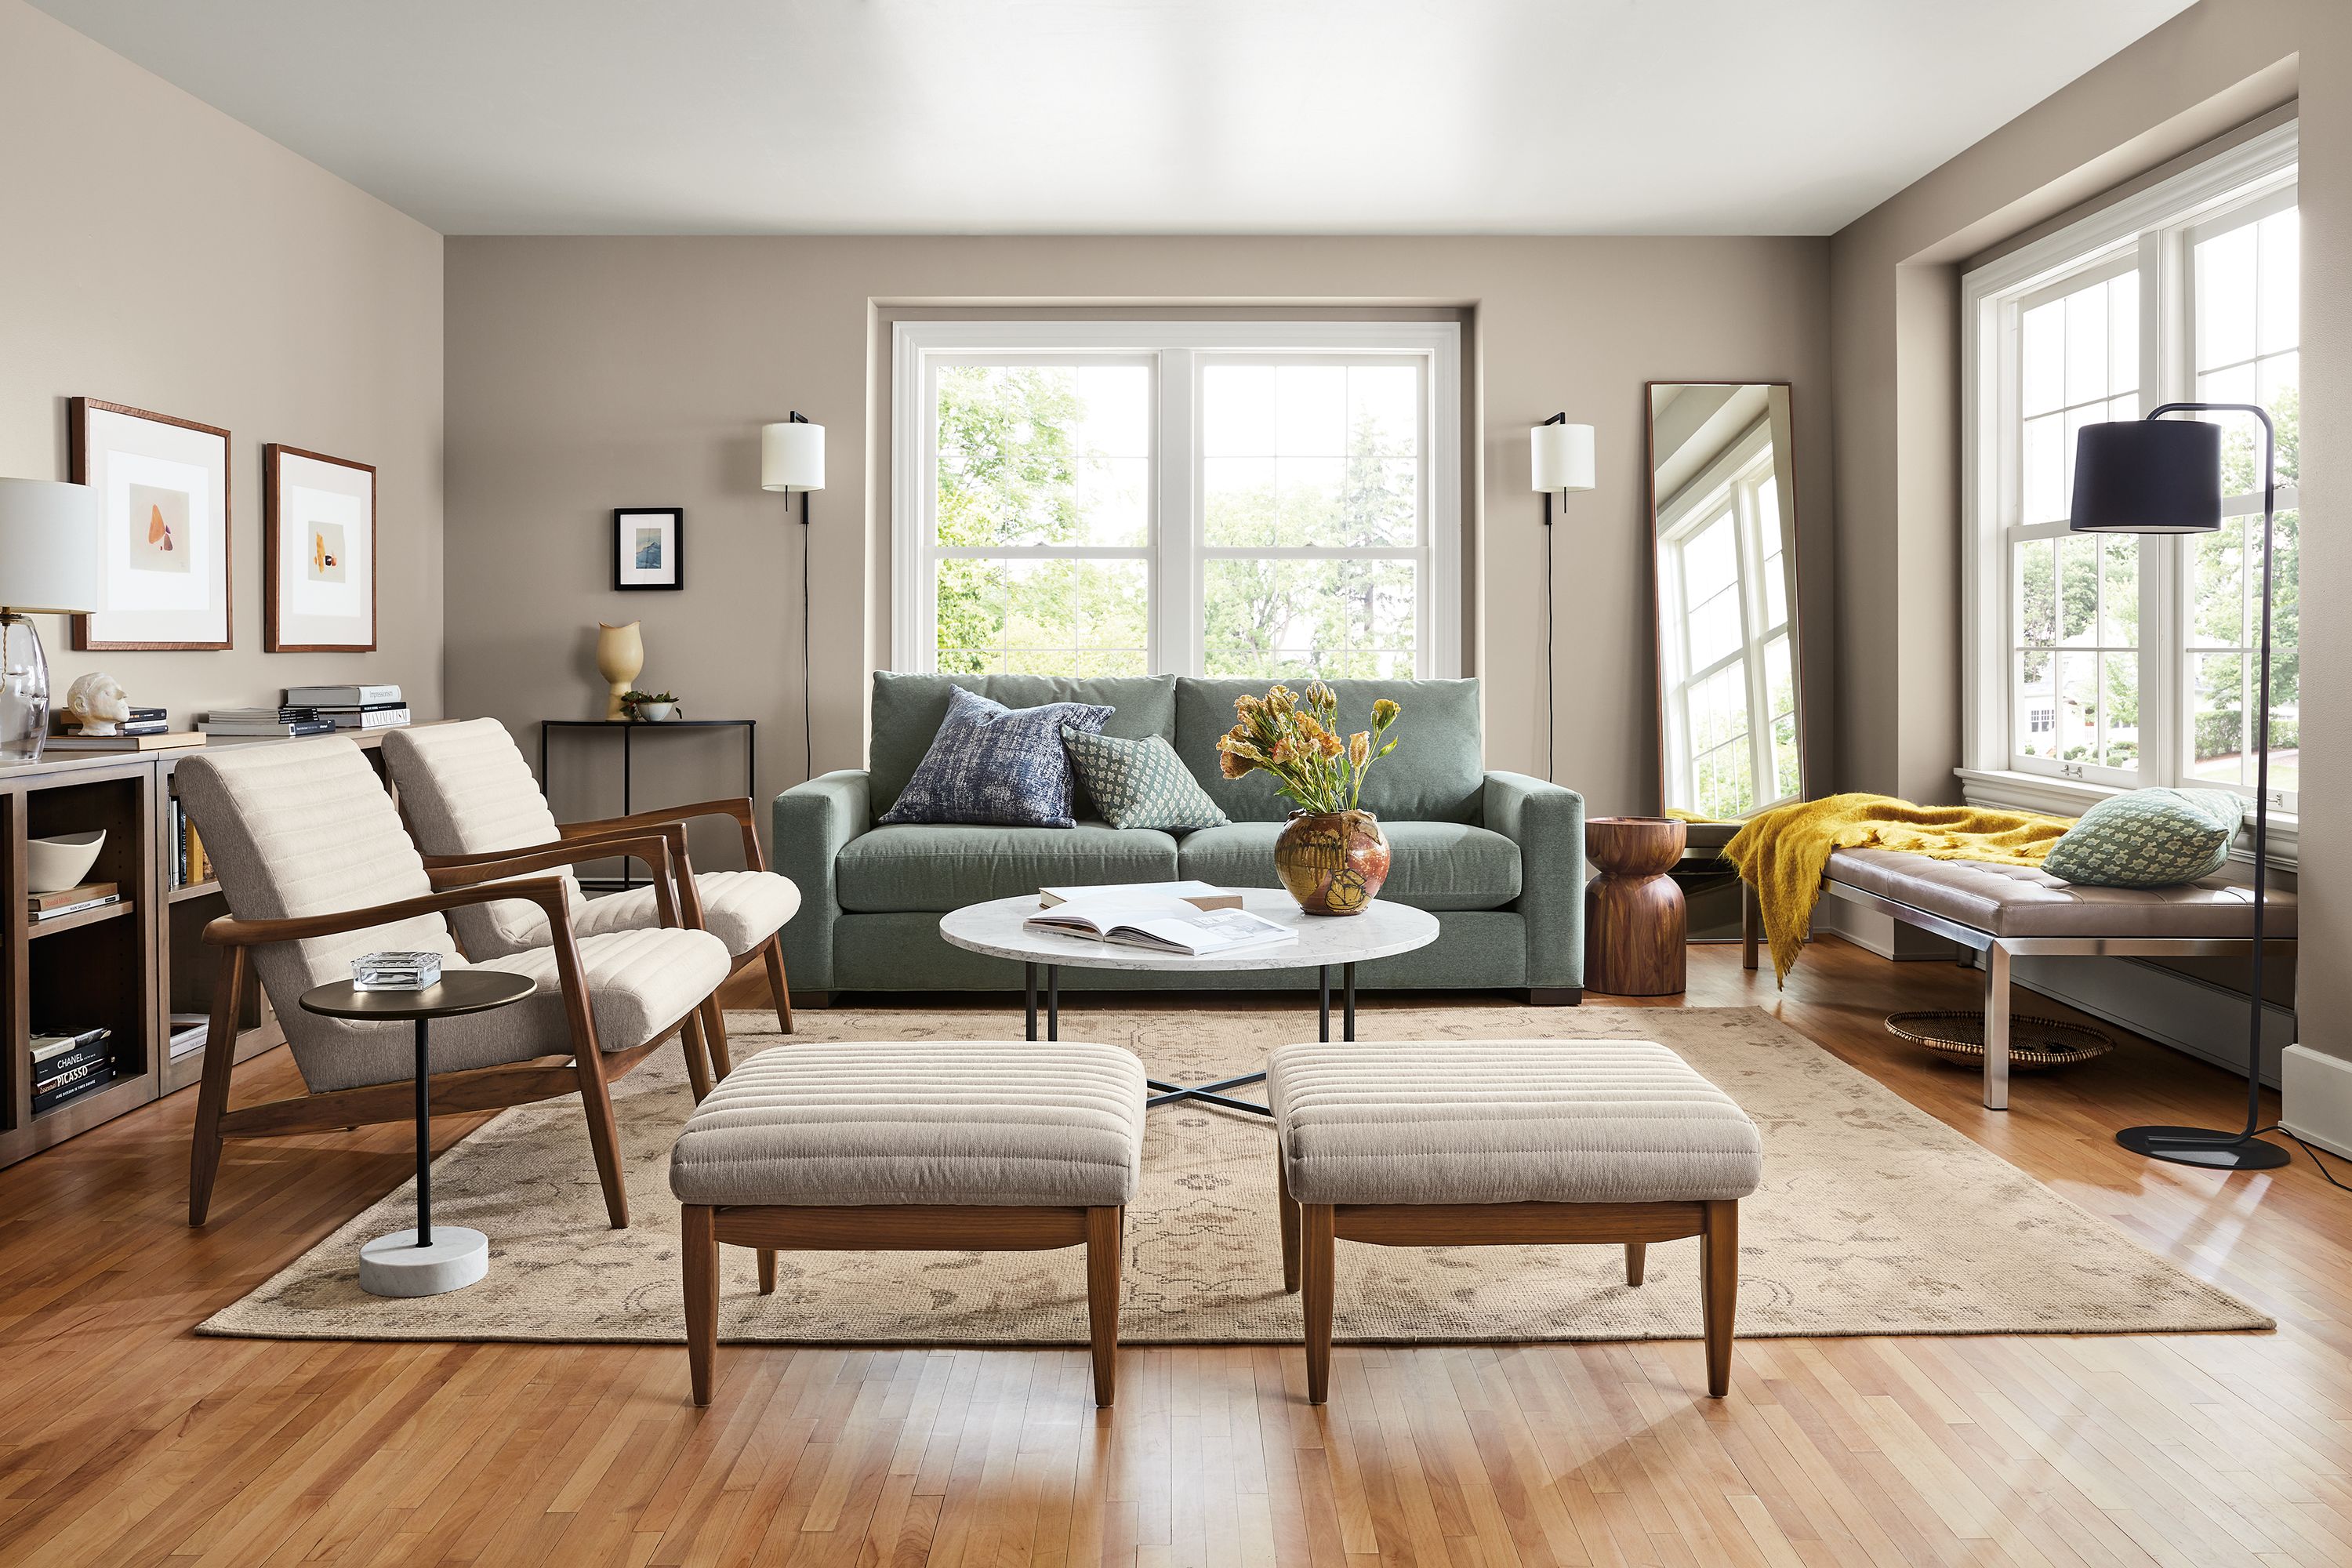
[1174,348]
[2080,248]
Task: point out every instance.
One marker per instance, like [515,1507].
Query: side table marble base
[394,1265]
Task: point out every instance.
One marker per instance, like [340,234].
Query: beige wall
[1895,329]
[158,253]
[585,373]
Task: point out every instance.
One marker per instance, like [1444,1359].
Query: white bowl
[654,712]
[53,865]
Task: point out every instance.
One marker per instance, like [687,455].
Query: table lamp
[49,562]
[2164,475]
[791,460]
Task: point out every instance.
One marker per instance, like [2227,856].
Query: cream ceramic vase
[620,655]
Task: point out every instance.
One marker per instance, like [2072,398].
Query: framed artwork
[164,564]
[648,547]
[318,553]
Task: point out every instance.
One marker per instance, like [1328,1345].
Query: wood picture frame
[168,583]
[648,548]
[318,591]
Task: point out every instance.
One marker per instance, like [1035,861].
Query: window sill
[2067,797]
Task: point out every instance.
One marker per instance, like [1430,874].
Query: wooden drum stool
[1636,931]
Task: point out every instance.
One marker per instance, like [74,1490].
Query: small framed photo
[164,566]
[648,547]
[318,548]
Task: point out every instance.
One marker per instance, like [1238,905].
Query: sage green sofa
[1499,857]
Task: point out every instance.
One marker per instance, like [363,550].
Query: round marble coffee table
[1325,943]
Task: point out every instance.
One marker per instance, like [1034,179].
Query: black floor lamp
[2161,476]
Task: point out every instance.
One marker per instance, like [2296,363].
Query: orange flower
[1360,748]
[1230,765]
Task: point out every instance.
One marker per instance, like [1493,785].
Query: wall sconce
[1560,458]
[791,460]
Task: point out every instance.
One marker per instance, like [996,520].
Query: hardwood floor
[124,1439]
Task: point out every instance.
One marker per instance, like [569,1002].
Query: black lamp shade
[2147,476]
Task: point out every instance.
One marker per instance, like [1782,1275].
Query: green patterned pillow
[1141,783]
[2149,838]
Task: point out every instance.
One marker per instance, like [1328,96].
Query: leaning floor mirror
[1723,516]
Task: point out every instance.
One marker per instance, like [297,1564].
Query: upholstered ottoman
[940,1145]
[1465,1143]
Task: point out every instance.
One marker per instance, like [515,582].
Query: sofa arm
[1547,822]
[813,822]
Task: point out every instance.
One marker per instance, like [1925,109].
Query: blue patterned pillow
[994,765]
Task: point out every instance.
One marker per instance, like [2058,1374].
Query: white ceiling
[1123,115]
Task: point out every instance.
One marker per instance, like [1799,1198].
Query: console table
[628,729]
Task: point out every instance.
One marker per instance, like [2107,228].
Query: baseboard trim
[2192,1017]
[2317,1091]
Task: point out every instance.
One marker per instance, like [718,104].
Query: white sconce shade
[1561,456]
[48,546]
[792,456]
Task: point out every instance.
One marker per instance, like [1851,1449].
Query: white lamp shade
[48,546]
[792,456]
[1561,456]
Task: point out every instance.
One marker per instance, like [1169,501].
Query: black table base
[1211,1093]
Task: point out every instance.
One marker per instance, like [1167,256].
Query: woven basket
[2033,1043]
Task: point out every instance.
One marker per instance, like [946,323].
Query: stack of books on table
[249,723]
[185,846]
[73,901]
[147,730]
[351,707]
[66,1067]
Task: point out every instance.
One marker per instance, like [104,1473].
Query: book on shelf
[73,901]
[1199,895]
[51,1098]
[282,729]
[123,727]
[66,1067]
[1161,921]
[383,717]
[153,741]
[339,696]
[189,863]
[68,1060]
[189,1032]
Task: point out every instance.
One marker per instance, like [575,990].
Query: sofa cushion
[908,709]
[1432,864]
[1005,767]
[1436,773]
[742,909]
[942,867]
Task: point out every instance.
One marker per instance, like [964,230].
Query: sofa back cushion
[1437,772]
[909,709]
[466,790]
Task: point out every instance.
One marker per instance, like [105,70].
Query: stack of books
[351,707]
[73,901]
[66,1067]
[250,723]
[147,730]
[189,863]
[189,1032]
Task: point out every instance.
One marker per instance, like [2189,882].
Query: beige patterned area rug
[1873,1218]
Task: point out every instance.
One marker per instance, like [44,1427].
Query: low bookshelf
[127,966]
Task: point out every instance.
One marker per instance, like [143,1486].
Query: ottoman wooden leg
[1289,1219]
[696,1226]
[1719,1282]
[1317,1246]
[1105,1229]
[767,1271]
[1637,1253]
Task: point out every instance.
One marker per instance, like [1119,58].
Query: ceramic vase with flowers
[1331,855]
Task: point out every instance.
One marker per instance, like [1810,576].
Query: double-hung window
[1270,500]
[2110,661]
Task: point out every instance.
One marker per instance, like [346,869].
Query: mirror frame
[1790,547]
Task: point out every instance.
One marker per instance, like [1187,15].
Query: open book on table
[1159,921]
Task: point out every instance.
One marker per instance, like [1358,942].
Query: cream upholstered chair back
[467,791]
[309,830]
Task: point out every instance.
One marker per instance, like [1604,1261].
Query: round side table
[422,1262]
[1636,929]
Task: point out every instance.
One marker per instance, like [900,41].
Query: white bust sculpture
[97,703]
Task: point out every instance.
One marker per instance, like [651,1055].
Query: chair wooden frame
[913,1227]
[737,809]
[1309,1255]
[587,1072]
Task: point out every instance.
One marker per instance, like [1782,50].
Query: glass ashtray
[395,971]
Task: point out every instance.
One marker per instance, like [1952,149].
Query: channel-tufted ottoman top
[987,1122]
[1501,1122]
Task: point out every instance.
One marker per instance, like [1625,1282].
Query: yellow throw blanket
[1782,852]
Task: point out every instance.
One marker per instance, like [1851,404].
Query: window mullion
[1177,571]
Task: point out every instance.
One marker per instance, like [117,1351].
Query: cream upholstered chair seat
[466,790]
[309,830]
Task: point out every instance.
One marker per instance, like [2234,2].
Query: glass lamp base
[2209,1147]
[24,690]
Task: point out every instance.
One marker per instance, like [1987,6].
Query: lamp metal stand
[2212,1147]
